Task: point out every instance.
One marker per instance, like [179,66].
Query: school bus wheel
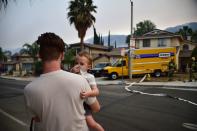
[157,73]
[113,76]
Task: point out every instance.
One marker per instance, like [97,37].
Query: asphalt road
[121,110]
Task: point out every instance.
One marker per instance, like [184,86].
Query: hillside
[120,40]
[192,25]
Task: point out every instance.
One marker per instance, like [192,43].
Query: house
[159,39]
[20,64]
[115,54]
[98,52]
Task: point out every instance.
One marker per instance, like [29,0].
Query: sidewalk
[168,84]
[18,78]
[105,81]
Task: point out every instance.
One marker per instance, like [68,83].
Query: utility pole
[130,44]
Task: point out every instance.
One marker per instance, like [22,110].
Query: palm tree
[3,3]
[69,57]
[80,14]
[7,55]
[144,27]
[185,31]
[32,50]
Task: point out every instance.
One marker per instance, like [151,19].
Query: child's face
[83,62]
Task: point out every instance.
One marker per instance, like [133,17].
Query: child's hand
[84,95]
[76,69]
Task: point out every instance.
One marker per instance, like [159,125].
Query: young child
[83,64]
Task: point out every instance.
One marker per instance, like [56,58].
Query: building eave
[158,35]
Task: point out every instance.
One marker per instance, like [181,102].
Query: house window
[146,43]
[185,47]
[162,43]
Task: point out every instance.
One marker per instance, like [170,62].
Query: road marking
[159,94]
[13,118]
[190,126]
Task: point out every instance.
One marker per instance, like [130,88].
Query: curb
[119,83]
[160,85]
[12,78]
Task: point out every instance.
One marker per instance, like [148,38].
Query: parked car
[97,70]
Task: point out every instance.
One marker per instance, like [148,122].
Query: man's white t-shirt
[55,98]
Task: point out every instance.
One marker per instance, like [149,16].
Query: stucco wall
[154,43]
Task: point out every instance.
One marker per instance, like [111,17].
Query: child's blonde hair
[87,55]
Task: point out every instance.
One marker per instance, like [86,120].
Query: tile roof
[157,33]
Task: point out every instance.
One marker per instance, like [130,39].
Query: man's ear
[62,56]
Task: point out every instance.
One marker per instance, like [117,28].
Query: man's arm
[95,107]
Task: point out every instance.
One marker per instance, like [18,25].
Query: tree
[194,52]
[7,55]
[101,40]
[115,46]
[2,55]
[109,39]
[194,36]
[185,31]
[38,70]
[3,4]
[96,37]
[144,27]
[31,49]
[69,57]
[128,39]
[80,14]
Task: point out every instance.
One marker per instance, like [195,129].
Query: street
[121,110]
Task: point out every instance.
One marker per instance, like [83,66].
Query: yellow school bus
[144,61]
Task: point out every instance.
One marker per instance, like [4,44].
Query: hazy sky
[22,22]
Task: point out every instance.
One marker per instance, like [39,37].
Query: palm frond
[80,14]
